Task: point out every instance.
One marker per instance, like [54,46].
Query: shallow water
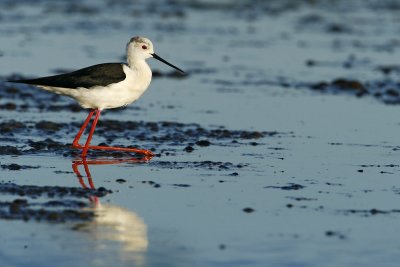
[319,188]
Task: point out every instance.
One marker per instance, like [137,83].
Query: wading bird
[104,86]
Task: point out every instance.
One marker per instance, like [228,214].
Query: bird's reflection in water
[113,223]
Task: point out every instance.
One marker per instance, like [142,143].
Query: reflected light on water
[113,224]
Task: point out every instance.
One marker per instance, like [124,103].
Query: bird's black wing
[97,75]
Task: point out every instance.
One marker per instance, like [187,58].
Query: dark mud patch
[302,198]
[198,165]
[333,184]
[10,150]
[161,134]
[17,167]
[166,131]
[389,69]
[12,127]
[65,204]
[391,147]
[386,91]
[369,213]
[152,184]
[203,143]
[189,149]
[337,234]
[48,126]
[354,86]
[379,165]
[248,210]
[45,144]
[54,212]
[182,185]
[290,186]
[34,191]
[382,168]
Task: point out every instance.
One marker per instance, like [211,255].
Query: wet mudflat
[279,147]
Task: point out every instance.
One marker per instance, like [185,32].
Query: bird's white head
[140,48]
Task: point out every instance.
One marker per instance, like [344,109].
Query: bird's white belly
[114,96]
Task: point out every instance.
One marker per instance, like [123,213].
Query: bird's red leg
[147,153]
[94,123]
[94,199]
[75,143]
[78,174]
[88,174]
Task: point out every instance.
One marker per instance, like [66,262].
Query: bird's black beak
[166,62]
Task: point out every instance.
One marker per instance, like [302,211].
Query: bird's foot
[147,153]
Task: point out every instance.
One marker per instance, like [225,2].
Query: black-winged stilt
[104,86]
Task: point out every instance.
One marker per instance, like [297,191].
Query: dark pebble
[203,143]
[310,63]
[337,28]
[293,187]
[376,211]
[182,185]
[248,210]
[189,149]
[102,189]
[329,233]
[288,187]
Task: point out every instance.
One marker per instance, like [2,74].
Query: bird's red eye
[144,46]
